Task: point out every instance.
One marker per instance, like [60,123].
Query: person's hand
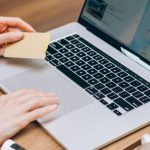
[10,31]
[20,108]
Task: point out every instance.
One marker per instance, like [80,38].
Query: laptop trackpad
[47,79]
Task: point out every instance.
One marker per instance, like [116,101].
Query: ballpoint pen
[11,145]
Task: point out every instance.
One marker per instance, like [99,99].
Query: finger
[10,37]
[38,102]
[16,23]
[38,113]
[11,29]
[2,50]
[22,92]
[33,95]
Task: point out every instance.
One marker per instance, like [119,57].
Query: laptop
[99,68]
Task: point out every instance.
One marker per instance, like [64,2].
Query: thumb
[9,37]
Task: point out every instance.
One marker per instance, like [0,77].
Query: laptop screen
[126,21]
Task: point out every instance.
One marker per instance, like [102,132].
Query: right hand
[20,108]
[11,29]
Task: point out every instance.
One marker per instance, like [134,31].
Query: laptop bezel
[107,38]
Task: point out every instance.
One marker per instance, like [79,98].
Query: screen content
[128,21]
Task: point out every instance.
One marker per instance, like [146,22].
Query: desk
[43,16]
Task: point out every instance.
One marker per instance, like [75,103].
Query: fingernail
[18,34]
[54,106]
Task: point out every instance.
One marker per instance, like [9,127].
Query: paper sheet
[34,45]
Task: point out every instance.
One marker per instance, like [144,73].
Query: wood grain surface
[45,15]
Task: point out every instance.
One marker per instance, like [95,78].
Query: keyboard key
[129,79]
[122,74]
[126,106]
[49,57]
[75,68]
[130,89]
[86,58]
[98,75]
[137,94]
[80,45]
[99,96]
[74,58]
[69,38]
[103,102]
[117,89]
[104,71]
[73,76]
[86,67]
[81,72]
[75,50]
[117,80]
[111,76]
[103,61]
[104,80]
[76,36]
[124,85]
[133,101]
[69,64]
[112,96]
[112,106]
[51,50]
[63,50]
[93,81]
[91,53]
[118,113]
[97,57]
[87,77]
[69,54]
[92,71]
[92,62]
[69,46]
[98,67]
[109,65]
[106,91]
[115,70]
[47,54]
[86,49]
[55,62]
[58,55]
[74,42]
[91,90]
[124,94]
[99,86]
[135,83]
[81,54]
[144,99]
[111,85]
[147,93]
[56,45]
[80,63]
[64,59]
[63,42]
[142,88]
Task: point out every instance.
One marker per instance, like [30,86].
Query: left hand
[11,31]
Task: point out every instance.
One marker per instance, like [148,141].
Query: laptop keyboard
[112,84]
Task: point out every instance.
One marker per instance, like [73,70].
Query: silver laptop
[99,68]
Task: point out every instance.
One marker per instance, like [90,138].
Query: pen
[11,145]
[135,58]
[145,141]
